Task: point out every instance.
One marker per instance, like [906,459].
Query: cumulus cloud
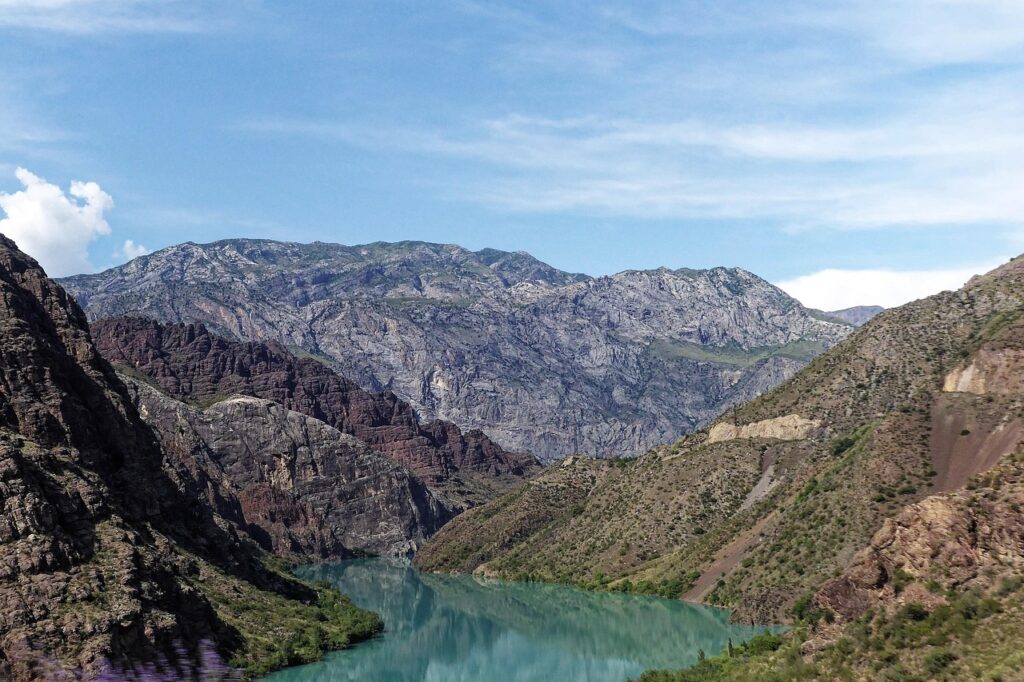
[130,250]
[835,289]
[55,227]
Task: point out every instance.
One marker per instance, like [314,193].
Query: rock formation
[297,486]
[541,360]
[189,363]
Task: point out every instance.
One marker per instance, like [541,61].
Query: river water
[442,628]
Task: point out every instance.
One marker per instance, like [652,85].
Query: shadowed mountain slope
[104,560]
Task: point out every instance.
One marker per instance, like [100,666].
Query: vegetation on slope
[937,595]
[758,524]
[592,522]
[277,632]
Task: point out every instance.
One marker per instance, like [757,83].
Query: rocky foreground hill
[541,360]
[874,500]
[107,559]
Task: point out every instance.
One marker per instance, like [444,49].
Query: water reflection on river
[459,628]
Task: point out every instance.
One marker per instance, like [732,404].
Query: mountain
[188,362]
[106,562]
[876,489]
[858,316]
[541,360]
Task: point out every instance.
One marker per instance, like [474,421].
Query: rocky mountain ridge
[541,360]
[105,561]
[300,488]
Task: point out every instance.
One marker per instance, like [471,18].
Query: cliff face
[297,486]
[189,363]
[541,360]
[102,556]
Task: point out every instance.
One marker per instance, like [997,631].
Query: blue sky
[857,151]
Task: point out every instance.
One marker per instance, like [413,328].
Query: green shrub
[915,612]
[940,659]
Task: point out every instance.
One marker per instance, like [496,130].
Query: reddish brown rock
[969,539]
[188,362]
[297,486]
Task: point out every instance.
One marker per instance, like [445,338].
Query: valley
[511,341]
[878,481]
[886,462]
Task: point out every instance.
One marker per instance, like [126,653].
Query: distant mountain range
[541,360]
[858,315]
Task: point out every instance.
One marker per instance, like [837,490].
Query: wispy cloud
[933,31]
[917,31]
[106,16]
[825,116]
[952,159]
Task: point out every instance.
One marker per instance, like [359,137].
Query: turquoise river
[442,628]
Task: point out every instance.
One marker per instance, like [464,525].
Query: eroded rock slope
[300,488]
[541,360]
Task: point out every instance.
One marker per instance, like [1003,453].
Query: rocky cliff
[104,559]
[188,362]
[300,488]
[541,360]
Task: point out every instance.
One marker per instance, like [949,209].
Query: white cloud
[130,250]
[840,289]
[53,227]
